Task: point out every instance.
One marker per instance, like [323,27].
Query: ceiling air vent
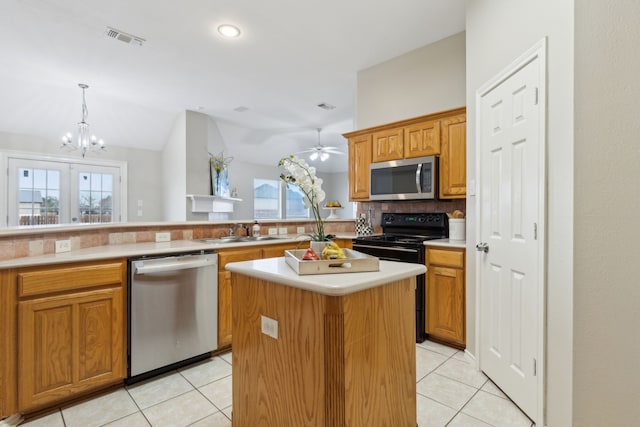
[241,109]
[124,37]
[326,106]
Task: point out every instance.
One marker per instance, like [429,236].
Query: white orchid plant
[298,172]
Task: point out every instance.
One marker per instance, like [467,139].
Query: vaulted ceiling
[291,56]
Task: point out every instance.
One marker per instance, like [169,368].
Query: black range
[402,240]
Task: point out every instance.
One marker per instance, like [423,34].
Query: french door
[42,192]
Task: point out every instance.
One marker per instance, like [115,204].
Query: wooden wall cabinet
[388,145]
[422,139]
[453,158]
[445,296]
[69,324]
[359,161]
[440,134]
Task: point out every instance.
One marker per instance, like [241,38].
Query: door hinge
[535,367]
[535,231]
[535,100]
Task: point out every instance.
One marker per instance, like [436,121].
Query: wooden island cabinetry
[445,296]
[317,350]
[226,256]
[440,134]
[63,332]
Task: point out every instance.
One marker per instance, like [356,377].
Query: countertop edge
[276,270]
[448,243]
[131,250]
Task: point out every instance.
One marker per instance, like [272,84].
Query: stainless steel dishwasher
[173,312]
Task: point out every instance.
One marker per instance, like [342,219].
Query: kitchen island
[323,350]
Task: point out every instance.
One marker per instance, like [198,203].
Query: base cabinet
[63,332]
[445,296]
[68,344]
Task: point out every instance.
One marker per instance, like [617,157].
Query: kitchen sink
[237,239]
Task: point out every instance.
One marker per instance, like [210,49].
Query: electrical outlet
[63,246]
[300,230]
[269,326]
[273,232]
[163,237]
[282,230]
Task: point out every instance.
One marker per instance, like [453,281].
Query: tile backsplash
[408,206]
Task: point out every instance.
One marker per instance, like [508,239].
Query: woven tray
[355,262]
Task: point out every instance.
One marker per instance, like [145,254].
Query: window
[38,196]
[268,197]
[295,203]
[61,191]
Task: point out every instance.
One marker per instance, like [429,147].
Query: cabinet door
[359,162]
[225,291]
[277,250]
[453,158]
[422,139]
[344,243]
[388,145]
[68,344]
[224,308]
[445,304]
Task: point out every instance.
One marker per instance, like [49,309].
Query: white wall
[174,174]
[426,80]
[606,383]
[497,33]
[334,185]
[143,169]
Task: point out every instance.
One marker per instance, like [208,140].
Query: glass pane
[84,181]
[107,182]
[53,180]
[39,178]
[96,181]
[38,196]
[295,203]
[266,198]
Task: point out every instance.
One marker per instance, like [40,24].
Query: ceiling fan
[320,151]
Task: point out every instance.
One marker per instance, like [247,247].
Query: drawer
[448,258]
[70,277]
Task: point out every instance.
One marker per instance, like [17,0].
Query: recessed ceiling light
[229,31]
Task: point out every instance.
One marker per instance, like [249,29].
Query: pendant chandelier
[84,141]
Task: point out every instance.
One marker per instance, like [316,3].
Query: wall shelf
[210,204]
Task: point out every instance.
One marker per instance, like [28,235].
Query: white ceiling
[292,55]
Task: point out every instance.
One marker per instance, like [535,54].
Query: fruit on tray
[333,204]
[310,255]
[333,251]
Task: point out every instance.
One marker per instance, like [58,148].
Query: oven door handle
[389,248]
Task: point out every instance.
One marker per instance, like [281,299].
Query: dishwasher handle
[173,263]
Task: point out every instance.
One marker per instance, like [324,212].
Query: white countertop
[132,250]
[278,271]
[459,244]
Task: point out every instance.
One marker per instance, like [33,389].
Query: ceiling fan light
[324,156]
[313,156]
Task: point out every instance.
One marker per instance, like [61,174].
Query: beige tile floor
[450,393]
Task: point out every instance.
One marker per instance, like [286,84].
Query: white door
[511,173]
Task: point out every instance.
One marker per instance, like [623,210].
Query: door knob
[482,247]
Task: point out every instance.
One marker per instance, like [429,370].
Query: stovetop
[410,228]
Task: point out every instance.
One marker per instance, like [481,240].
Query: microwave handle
[418,176]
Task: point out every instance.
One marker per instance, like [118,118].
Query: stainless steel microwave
[407,179]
